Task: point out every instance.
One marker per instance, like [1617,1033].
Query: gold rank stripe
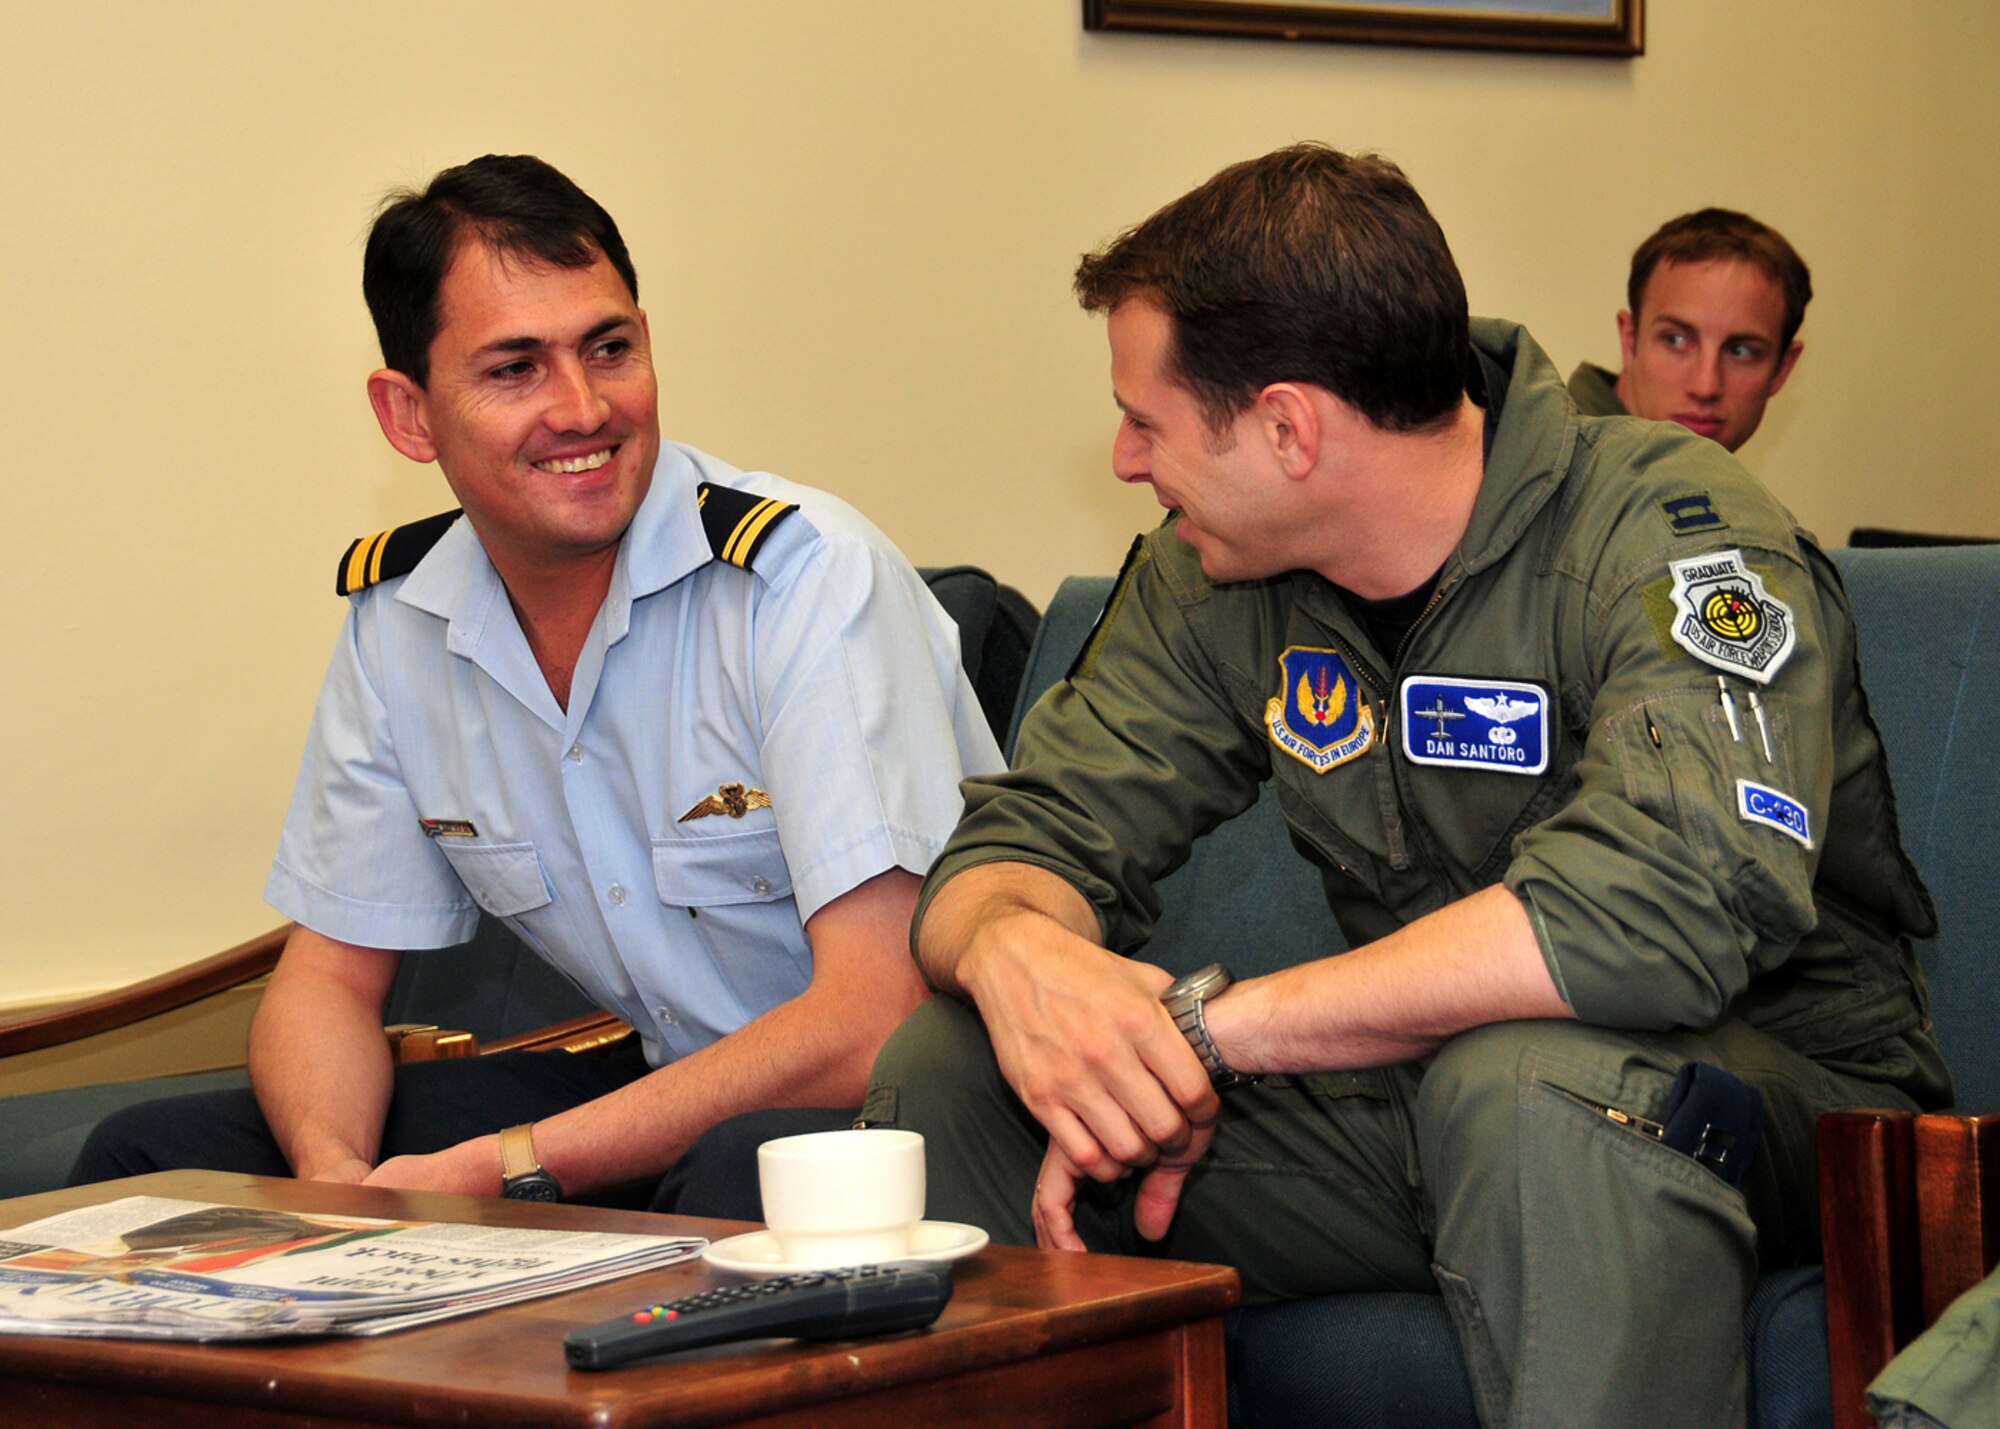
[364,565]
[736,550]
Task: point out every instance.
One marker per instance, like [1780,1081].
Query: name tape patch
[448,828]
[1502,725]
[1723,616]
[1761,805]
[1319,717]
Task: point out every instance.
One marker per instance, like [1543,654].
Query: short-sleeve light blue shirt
[826,677]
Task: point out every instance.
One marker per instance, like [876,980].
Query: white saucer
[757,1254]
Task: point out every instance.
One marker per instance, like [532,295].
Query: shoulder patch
[1725,617]
[738,521]
[391,553]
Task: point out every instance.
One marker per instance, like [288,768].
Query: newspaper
[148,1267]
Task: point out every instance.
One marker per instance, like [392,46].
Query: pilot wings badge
[1321,719]
[734,800]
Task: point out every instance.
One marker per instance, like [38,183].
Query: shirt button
[575,754]
[616,893]
[760,885]
[667,1018]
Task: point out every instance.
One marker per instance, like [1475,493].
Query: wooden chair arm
[140,1000]
[1867,1207]
[1909,1220]
[1958,1204]
[592,1033]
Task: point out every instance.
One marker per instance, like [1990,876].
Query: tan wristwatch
[521,1175]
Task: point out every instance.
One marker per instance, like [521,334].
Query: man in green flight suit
[1568,716]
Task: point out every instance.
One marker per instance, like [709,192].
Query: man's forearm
[1472,962]
[976,904]
[319,1062]
[810,1051]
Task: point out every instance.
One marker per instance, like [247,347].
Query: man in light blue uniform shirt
[692,734]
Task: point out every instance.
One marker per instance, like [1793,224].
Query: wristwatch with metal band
[521,1175]
[1183,999]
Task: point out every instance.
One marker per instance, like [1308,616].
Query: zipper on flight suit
[1645,1126]
[1419,835]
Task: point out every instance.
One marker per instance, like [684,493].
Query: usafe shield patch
[1758,804]
[1724,617]
[1502,725]
[738,522]
[1320,718]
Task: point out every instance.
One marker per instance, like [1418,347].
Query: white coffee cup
[843,1197]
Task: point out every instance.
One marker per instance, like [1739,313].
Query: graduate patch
[1723,616]
[1502,725]
[1320,719]
[1760,805]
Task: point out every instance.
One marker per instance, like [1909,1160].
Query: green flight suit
[1708,881]
[1949,1376]
[1595,391]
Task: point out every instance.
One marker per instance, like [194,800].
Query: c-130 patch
[1724,617]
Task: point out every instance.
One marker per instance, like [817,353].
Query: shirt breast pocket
[718,871]
[504,879]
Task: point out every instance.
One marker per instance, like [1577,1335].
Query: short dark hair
[1712,233]
[512,203]
[1307,265]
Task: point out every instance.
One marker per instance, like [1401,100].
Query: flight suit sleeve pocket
[504,879]
[1721,774]
[712,872]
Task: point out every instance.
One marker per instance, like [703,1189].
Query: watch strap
[517,1152]
[1184,1002]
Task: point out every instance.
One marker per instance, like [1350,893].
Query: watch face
[1202,982]
[532,1188]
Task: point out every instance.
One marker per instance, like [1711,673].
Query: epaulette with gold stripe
[391,553]
[738,521]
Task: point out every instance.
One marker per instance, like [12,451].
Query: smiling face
[541,407]
[1230,504]
[1706,348]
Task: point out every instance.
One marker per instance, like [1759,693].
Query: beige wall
[854,221]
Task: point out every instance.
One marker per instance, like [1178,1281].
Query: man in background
[693,734]
[1712,331]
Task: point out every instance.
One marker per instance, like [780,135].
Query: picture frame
[1610,28]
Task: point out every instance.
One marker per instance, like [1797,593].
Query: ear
[403,410]
[1291,428]
[1785,366]
[1628,336]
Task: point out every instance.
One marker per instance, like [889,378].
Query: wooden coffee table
[1029,1337]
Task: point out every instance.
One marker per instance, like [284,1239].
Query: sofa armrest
[124,1006]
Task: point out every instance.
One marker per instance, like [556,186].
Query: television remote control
[809,1304]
